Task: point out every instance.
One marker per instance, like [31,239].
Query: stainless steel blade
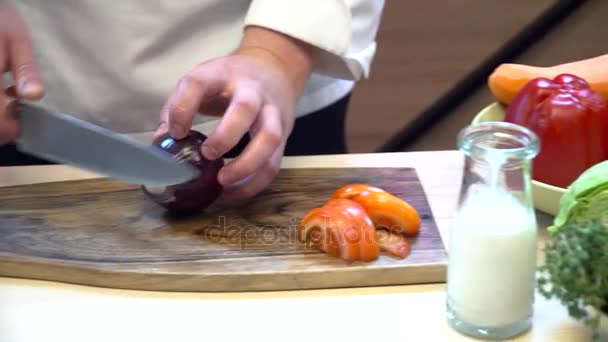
[65,139]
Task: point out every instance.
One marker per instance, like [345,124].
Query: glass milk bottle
[493,237]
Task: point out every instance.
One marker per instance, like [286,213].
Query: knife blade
[65,139]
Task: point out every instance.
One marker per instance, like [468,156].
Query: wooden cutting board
[106,233]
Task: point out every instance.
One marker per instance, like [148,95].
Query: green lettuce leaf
[586,198]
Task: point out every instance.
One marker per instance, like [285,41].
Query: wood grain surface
[105,233]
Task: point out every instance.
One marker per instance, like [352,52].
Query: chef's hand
[255,90]
[16,58]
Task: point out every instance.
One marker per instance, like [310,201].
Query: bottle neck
[499,142]
[498,155]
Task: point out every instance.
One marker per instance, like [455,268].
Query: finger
[8,119]
[24,70]
[9,125]
[181,106]
[246,190]
[266,140]
[3,59]
[3,69]
[242,112]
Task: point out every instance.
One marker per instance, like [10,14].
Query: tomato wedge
[360,220]
[341,228]
[314,230]
[351,190]
[393,243]
[363,232]
[390,212]
[385,209]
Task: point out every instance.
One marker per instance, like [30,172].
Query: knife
[65,139]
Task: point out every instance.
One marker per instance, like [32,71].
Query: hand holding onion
[254,91]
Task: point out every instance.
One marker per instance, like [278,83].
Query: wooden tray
[106,233]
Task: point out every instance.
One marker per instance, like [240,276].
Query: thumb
[27,77]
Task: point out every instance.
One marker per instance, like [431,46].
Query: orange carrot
[507,79]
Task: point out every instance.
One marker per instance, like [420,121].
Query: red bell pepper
[571,121]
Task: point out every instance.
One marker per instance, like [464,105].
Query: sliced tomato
[385,209]
[393,243]
[342,229]
[363,231]
[325,229]
[390,212]
[314,229]
[351,190]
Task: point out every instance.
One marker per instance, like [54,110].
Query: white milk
[491,273]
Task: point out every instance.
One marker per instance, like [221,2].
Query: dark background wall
[427,48]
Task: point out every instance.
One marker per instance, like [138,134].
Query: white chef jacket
[114,63]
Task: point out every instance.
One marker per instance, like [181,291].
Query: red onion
[197,194]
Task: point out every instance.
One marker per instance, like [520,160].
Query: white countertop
[47,311]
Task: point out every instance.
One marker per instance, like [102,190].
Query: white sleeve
[344,31]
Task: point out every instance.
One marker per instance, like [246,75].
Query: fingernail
[177,131]
[226,179]
[30,89]
[243,181]
[23,87]
[209,152]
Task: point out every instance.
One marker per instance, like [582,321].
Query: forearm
[343,32]
[293,56]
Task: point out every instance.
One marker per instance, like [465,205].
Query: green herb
[575,270]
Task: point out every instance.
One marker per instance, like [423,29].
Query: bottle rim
[511,140]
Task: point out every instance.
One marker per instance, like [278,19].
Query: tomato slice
[363,232]
[313,229]
[390,212]
[351,190]
[385,209]
[341,228]
[393,243]
[360,220]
